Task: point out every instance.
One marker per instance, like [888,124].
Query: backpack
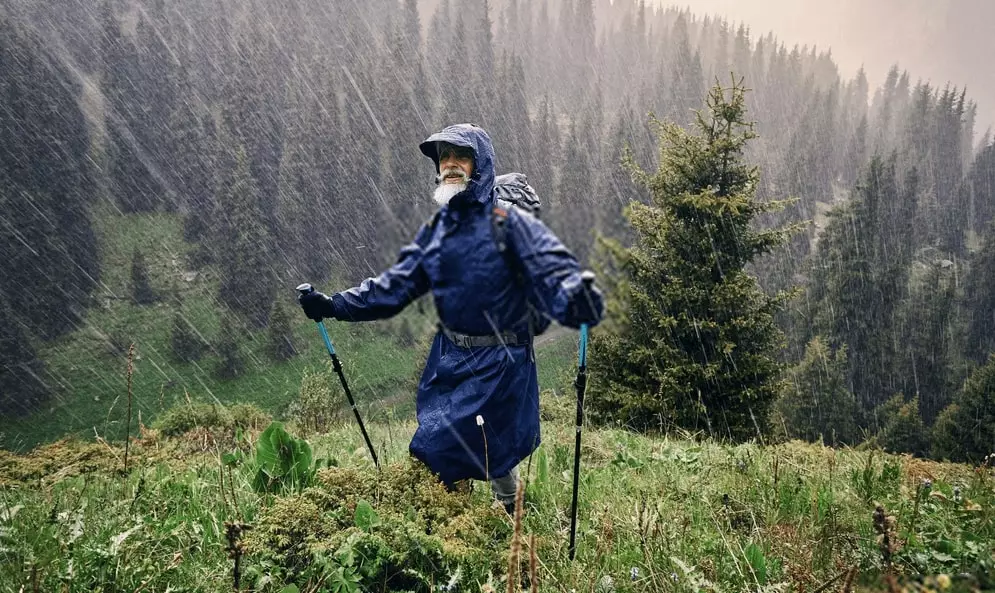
[512,190]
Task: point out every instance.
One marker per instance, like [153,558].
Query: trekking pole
[581,384]
[307,289]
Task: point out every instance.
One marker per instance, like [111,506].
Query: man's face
[455,163]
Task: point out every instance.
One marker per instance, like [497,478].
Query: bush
[409,530]
[186,417]
[249,417]
[315,408]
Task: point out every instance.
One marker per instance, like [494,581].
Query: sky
[937,40]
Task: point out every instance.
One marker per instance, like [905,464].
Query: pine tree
[186,344]
[859,277]
[244,245]
[927,338]
[47,242]
[903,430]
[575,211]
[816,403]
[458,104]
[281,334]
[687,81]
[979,301]
[134,177]
[141,289]
[690,339]
[22,388]
[965,430]
[231,362]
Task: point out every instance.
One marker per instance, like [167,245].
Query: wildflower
[927,484]
[943,582]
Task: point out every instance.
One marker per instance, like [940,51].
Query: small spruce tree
[244,245]
[902,428]
[141,288]
[21,386]
[230,363]
[281,334]
[816,404]
[965,430]
[187,346]
[690,339]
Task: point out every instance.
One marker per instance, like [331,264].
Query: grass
[656,514]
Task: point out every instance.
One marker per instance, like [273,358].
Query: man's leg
[504,489]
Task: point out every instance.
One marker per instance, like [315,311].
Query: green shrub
[184,418]
[316,408]
[248,416]
[409,531]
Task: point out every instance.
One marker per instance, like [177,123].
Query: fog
[938,40]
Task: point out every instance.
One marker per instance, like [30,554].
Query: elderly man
[481,362]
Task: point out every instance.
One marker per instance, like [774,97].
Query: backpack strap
[499,225]
[499,232]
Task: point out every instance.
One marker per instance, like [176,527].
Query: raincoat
[476,292]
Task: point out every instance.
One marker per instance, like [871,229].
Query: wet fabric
[475,293]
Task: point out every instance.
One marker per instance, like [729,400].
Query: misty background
[942,41]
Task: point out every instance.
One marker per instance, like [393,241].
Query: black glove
[316,305]
[587,306]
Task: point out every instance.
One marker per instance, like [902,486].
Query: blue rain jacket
[476,292]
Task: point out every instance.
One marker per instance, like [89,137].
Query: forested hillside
[282,134]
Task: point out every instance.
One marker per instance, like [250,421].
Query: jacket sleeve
[551,269]
[391,291]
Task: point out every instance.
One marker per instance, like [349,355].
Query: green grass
[87,368]
[656,514]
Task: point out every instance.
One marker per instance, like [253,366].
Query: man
[481,362]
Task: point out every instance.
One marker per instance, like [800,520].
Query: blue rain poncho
[476,291]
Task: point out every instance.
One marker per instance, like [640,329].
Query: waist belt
[507,338]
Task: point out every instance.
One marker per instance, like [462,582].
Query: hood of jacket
[476,139]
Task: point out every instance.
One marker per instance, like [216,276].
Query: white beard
[446,191]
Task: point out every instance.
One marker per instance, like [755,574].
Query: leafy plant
[282,462]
